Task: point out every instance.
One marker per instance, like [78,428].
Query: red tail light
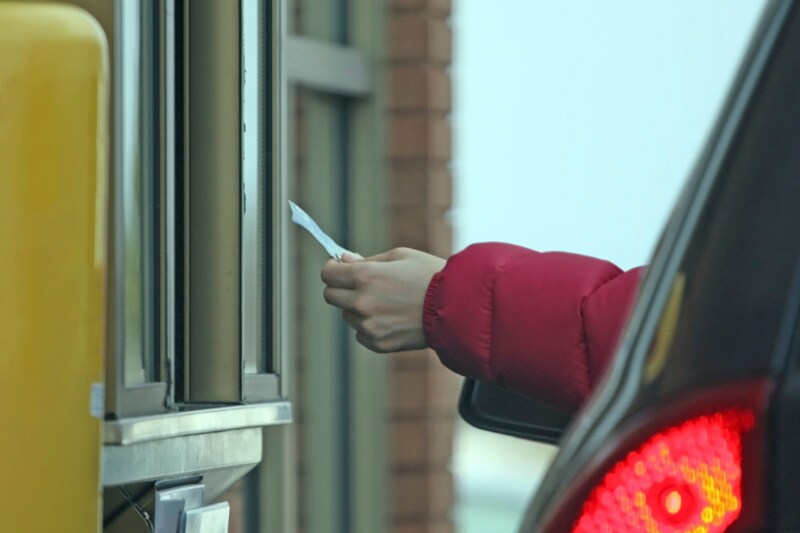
[686,478]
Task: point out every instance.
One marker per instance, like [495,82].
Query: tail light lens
[686,478]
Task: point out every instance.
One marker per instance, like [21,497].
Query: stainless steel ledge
[220,457]
[141,429]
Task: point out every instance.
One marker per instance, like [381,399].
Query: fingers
[366,336]
[394,254]
[366,341]
[376,345]
[338,275]
[352,319]
[356,322]
[351,257]
[381,297]
[341,298]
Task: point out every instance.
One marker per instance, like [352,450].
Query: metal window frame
[233,360]
[130,17]
[261,353]
[260,182]
[212,217]
[328,67]
[137,447]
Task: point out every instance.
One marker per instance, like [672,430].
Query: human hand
[381,297]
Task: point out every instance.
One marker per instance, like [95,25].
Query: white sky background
[576,123]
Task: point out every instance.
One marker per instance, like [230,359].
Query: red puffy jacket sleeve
[544,324]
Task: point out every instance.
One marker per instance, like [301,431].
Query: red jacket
[544,324]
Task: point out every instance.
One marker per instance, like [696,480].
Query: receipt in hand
[301,218]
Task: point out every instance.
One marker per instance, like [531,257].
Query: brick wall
[423,392]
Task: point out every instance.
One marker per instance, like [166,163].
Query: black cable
[109,516]
[141,511]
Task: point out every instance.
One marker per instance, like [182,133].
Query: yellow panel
[52,265]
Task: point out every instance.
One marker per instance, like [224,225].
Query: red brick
[410,228]
[414,136]
[418,87]
[439,7]
[420,185]
[409,87]
[441,441]
[440,240]
[408,187]
[415,36]
[443,389]
[409,37]
[423,393]
[423,493]
[441,41]
[408,394]
[422,443]
[441,493]
[411,493]
[408,4]
[421,227]
[410,136]
[440,188]
[413,360]
[428,526]
[444,7]
[410,444]
[441,138]
[440,90]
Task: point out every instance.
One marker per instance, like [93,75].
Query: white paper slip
[301,218]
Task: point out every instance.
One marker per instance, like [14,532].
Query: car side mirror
[495,408]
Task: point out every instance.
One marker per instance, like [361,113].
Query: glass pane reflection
[137,181]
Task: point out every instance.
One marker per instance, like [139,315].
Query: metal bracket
[172,498]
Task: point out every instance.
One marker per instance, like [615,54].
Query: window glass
[319,185]
[139,189]
[326,20]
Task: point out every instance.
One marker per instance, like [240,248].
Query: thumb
[395,254]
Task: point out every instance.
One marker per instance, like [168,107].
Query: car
[696,425]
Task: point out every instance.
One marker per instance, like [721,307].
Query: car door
[693,427]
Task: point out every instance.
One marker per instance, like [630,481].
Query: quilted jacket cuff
[429,311]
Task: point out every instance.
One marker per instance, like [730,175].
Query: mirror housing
[501,410]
